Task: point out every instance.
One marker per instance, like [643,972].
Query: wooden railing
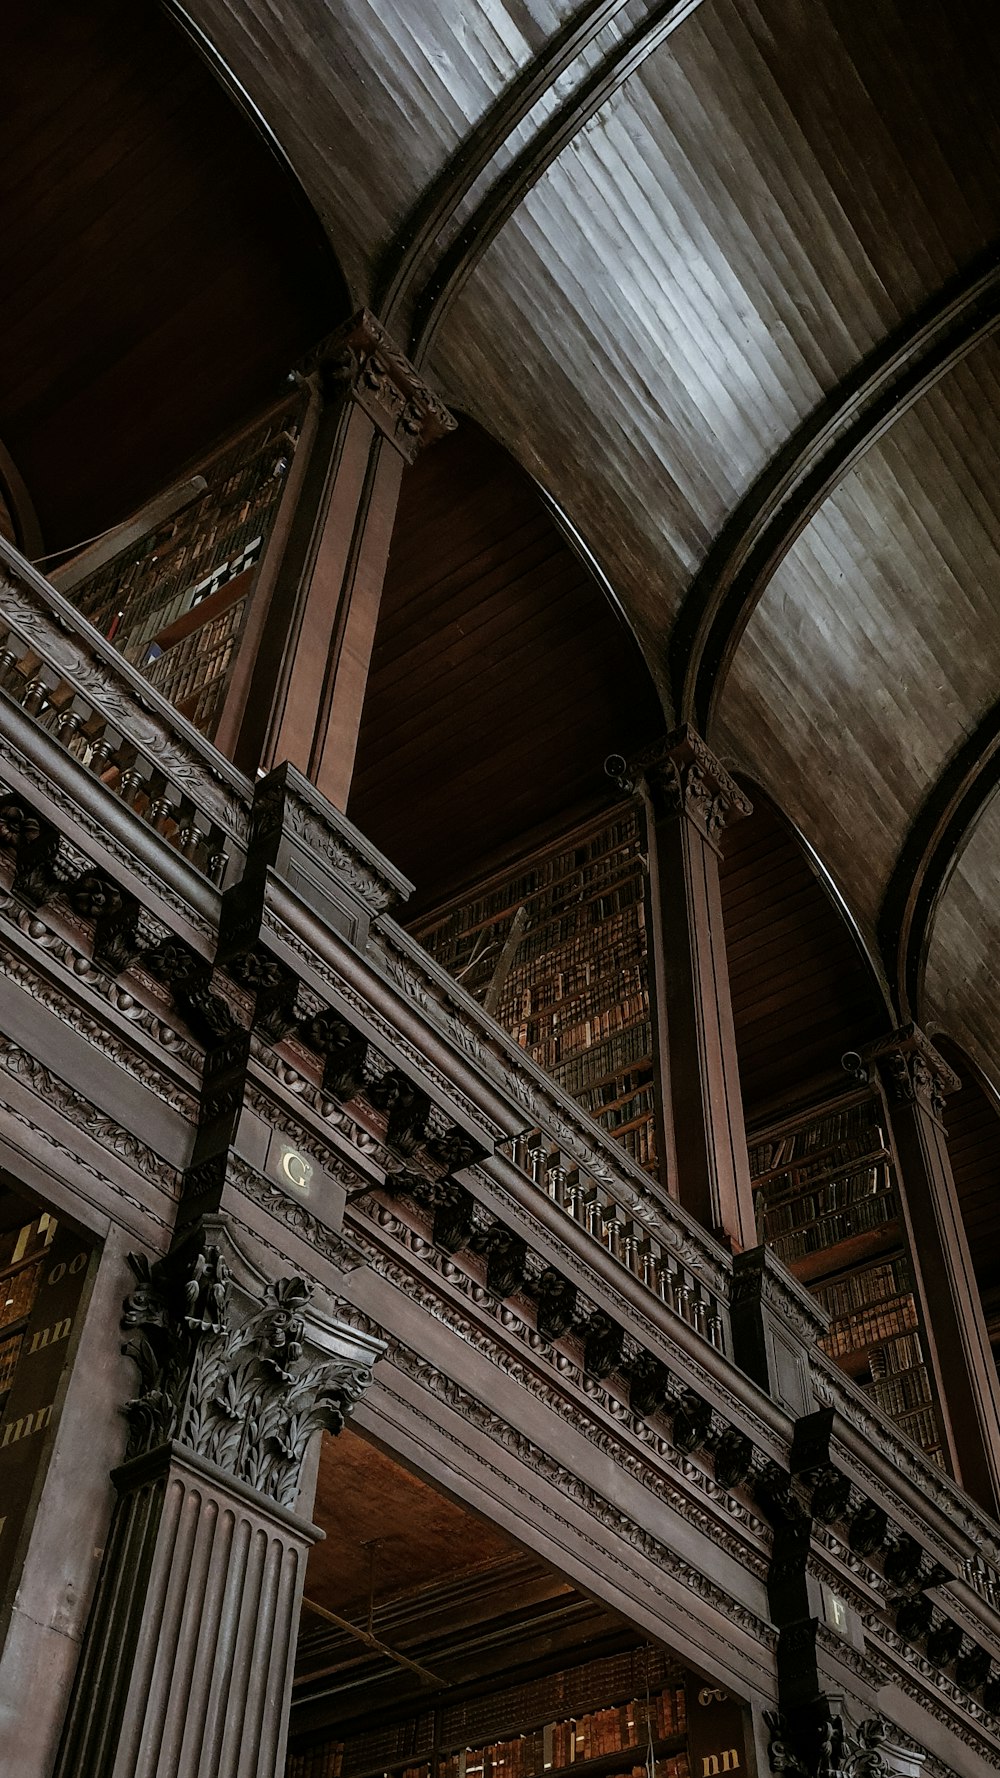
[65,676]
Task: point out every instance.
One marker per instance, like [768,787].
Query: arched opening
[501,677]
[803,991]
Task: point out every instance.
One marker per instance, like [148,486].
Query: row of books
[326,1762]
[18,1293]
[864,1286]
[573,1033]
[609,842]
[200,659]
[852,1124]
[901,1394]
[581,986]
[548,1747]
[837,1193]
[244,486]
[828,1231]
[867,1327]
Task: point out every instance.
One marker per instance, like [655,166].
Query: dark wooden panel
[972,1120]
[501,679]
[802,992]
[161,271]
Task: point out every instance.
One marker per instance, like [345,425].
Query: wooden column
[689,798]
[915,1079]
[186,1669]
[298,687]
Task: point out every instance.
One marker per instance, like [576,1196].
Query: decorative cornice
[362,360]
[562,1396]
[229,1376]
[286,803]
[327,1242]
[913,1071]
[683,777]
[542,1464]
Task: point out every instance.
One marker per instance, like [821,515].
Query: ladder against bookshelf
[827,1203]
[573,988]
[613,1738]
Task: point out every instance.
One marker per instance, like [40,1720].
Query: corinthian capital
[364,362]
[683,776]
[240,1376]
[912,1070]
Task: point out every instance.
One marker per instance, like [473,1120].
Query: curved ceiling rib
[931,849]
[514,178]
[723,595]
[412,245]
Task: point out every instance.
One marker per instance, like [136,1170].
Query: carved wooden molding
[913,1071]
[365,363]
[683,775]
[235,1376]
[751,546]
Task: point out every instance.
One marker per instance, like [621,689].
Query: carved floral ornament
[913,1072]
[233,1379]
[362,357]
[828,1749]
[682,776]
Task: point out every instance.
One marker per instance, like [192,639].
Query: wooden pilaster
[299,684]
[186,1666]
[915,1080]
[689,798]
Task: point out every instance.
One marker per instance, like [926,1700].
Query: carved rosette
[363,361]
[683,777]
[913,1072]
[236,1378]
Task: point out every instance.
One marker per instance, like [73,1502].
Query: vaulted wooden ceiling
[723,275]
[162,271]
[501,680]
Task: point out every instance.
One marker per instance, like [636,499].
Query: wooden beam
[820,453]
[928,855]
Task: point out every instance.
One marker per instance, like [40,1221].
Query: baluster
[131,783]
[35,697]
[613,1229]
[536,1161]
[9,658]
[699,1313]
[67,727]
[555,1180]
[651,1259]
[218,864]
[190,840]
[668,1282]
[716,1330]
[102,760]
[682,1294]
[632,1244]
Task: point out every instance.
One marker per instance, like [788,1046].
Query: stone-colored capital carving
[241,1377]
[683,776]
[912,1070]
[366,364]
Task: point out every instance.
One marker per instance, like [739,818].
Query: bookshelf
[175,602]
[21,1253]
[569,980]
[608,1739]
[827,1203]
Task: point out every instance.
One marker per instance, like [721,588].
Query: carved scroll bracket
[364,362]
[241,1376]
